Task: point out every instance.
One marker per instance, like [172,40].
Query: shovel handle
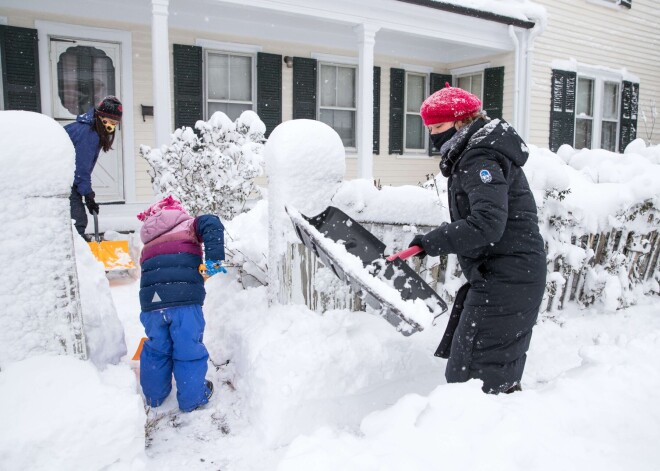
[404,254]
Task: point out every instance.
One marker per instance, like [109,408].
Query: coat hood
[500,136]
[163,221]
[86,118]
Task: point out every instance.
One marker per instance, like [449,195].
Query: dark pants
[78,212]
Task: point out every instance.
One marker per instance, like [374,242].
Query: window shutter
[397,100]
[376,110]
[629,105]
[304,88]
[437,82]
[269,90]
[188,88]
[625,3]
[494,91]
[562,109]
[20,68]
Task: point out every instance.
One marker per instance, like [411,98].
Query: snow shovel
[337,226]
[113,254]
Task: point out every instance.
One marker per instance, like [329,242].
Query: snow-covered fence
[617,263]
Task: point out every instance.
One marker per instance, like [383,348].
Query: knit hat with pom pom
[449,104]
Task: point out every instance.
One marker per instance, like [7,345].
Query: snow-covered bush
[211,171]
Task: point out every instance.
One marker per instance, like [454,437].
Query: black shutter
[269,90]
[397,99]
[188,88]
[304,88]
[562,109]
[437,82]
[629,104]
[625,3]
[376,110]
[20,68]
[494,91]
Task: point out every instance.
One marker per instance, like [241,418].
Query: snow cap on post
[449,104]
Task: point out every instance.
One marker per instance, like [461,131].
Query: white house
[576,74]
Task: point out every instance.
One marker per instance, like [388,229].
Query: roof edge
[485,15]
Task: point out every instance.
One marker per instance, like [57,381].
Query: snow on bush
[211,171]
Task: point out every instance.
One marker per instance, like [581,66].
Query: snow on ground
[344,390]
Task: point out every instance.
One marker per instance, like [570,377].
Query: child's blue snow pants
[174,346]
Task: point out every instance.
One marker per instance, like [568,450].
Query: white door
[82,74]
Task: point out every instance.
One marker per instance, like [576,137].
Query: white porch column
[365,121]
[160,58]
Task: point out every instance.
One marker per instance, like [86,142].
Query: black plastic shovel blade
[341,228]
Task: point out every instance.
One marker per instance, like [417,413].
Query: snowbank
[61,413]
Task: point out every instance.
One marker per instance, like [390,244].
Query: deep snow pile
[38,280]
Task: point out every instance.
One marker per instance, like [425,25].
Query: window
[415,131]
[597,114]
[472,83]
[337,100]
[229,83]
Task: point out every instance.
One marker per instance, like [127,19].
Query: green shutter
[304,88]
[438,82]
[562,109]
[397,100]
[188,88]
[376,110]
[20,68]
[269,90]
[629,104]
[494,91]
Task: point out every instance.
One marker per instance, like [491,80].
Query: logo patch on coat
[486,177]
[156,298]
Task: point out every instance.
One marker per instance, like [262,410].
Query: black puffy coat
[495,234]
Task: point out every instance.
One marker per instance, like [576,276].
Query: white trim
[45,29]
[3,20]
[228,47]
[470,69]
[421,69]
[334,59]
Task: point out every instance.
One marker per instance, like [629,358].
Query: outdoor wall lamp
[288,60]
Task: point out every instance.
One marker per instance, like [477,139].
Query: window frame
[470,75]
[253,78]
[425,132]
[599,80]
[328,61]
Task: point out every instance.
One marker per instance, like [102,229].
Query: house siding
[617,38]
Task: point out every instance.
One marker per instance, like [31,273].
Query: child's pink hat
[166,204]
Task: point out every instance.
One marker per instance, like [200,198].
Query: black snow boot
[209,385]
[513,389]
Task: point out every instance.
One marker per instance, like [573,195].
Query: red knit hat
[449,104]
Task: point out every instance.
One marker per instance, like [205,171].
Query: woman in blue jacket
[91,132]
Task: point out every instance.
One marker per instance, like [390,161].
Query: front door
[83,73]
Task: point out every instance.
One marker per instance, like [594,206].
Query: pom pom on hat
[166,204]
[449,104]
[110,107]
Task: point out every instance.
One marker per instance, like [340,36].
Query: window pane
[415,91]
[343,122]
[583,133]
[232,110]
[608,136]
[328,85]
[414,132]
[585,97]
[465,83]
[346,87]
[476,85]
[611,101]
[240,78]
[218,77]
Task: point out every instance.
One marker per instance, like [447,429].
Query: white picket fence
[636,255]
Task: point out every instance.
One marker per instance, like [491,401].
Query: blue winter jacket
[170,262]
[87,144]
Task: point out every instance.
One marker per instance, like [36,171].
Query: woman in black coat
[494,232]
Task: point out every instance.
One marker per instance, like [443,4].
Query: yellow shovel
[114,254]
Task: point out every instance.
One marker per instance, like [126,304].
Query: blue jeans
[175,345]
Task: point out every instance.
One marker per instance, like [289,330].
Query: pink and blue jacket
[172,254]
